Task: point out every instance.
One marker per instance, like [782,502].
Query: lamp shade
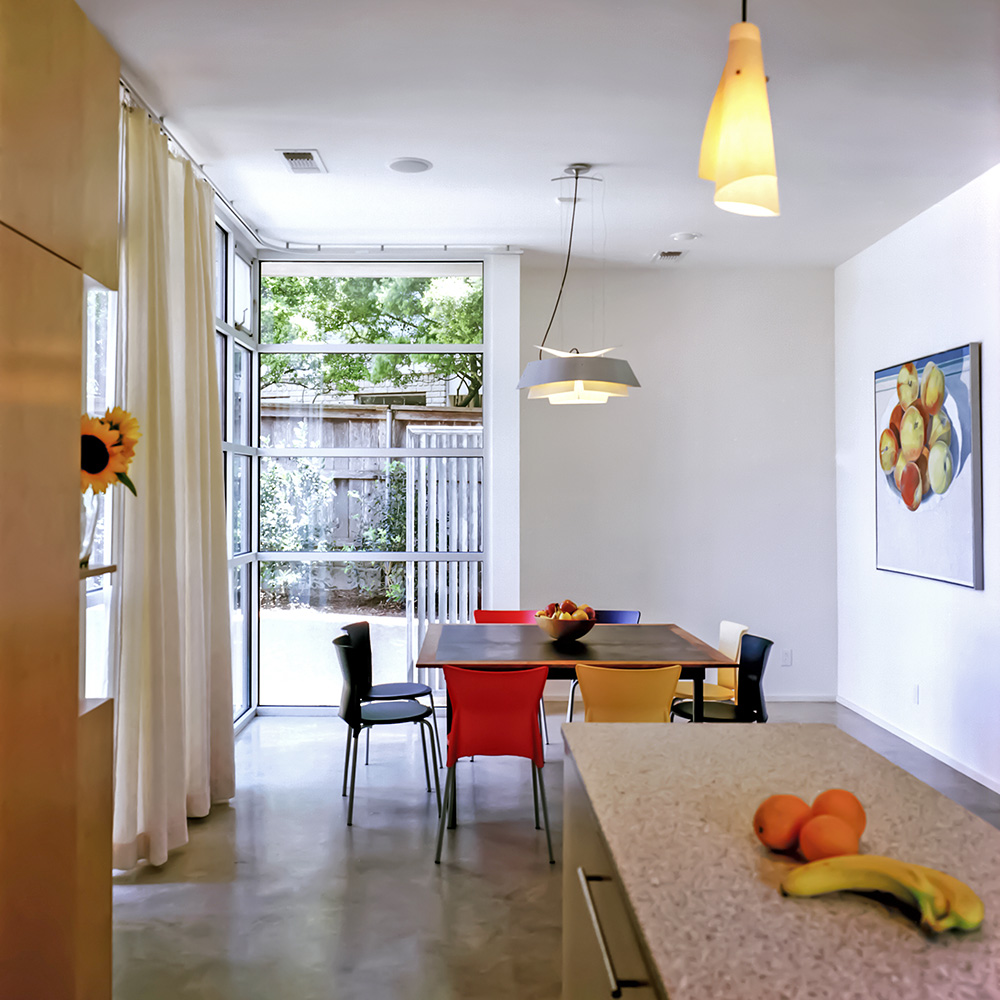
[737,149]
[579,378]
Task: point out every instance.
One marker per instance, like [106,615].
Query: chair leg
[437,734]
[572,697]
[347,759]
[423,743]
[434,762]
[542,721]
[453,801]
[534,794]
[368,743]
[354,772]
[448,794]
[545,812]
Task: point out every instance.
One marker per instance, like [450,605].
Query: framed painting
[928,490]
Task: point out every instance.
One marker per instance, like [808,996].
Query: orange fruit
[844,805]
[826,836]
[778,820]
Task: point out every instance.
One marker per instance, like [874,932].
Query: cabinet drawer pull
[616,984]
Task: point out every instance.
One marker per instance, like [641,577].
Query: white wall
[709,493]
[931,285]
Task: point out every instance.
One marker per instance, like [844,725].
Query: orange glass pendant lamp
[737,149]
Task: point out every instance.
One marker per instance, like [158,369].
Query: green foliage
[294,502]
[381,527]
[386,310]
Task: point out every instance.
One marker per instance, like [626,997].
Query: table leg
[699,697]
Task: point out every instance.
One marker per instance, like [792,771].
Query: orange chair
[494,714]
[730,637]
[628,693]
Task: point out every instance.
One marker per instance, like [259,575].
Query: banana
[965,909]
[943,901]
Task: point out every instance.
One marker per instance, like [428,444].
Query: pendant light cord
[744,10]
[569,251]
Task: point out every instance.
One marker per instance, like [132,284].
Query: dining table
[495,646]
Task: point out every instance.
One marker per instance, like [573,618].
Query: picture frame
[928,467]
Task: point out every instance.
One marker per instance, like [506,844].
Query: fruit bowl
[564,629]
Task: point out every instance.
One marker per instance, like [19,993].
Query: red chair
[484,617]
[516,617]
[494,715]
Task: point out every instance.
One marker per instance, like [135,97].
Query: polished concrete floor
[275,897]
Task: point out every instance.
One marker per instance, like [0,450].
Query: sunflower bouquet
[107,447]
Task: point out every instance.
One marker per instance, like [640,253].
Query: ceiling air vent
[303,161]
[668,256]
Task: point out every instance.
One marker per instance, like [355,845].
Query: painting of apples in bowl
[928,496]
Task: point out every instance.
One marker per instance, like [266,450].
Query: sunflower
[127,425]
[100,455]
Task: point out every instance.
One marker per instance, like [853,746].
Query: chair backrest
[495,713]
[483,617]
[616,617]
[354,654]
[627,693]
[730,635]
[750,706]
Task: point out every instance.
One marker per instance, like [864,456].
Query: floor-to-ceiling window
[371,471]
[235,350]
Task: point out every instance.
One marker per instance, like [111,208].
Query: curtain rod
[287,246]
[140,102]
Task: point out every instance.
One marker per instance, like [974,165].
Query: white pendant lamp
[567,377]
[737,149]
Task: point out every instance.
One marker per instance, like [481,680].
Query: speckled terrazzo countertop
[675,805]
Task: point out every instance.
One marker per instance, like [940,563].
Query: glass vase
[90,506]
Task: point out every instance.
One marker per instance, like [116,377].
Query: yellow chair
[628,693]
[730,636]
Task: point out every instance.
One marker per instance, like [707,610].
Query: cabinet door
[596,931]
[40,355]
[59,133]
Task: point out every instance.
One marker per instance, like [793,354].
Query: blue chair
[750,705]
[602,618]
[360,714]
[360,642]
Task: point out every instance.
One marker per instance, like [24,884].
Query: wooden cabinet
[602,951]
[58,218]
[40,355]
[59,133]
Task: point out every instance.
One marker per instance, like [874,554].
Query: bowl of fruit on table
[567,621]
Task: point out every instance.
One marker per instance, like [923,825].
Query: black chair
[361,640]
[608,617]
[356,668]
[750,706]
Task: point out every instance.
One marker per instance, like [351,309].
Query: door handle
[615,982]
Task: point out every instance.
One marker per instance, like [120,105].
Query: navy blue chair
[356,669]
[602,618]
[360,641]
[750,705]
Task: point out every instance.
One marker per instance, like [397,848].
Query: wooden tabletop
[494,645]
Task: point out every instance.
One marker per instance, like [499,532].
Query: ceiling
[880,109]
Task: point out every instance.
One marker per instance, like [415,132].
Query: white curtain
[174,727]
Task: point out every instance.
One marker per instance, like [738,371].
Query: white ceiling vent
[669,256]
[303,161]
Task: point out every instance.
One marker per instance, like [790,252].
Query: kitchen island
[658,825]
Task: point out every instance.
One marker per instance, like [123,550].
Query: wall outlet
[916,694]
[786,657]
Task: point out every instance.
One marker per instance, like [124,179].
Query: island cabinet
[688,904]
[602,948]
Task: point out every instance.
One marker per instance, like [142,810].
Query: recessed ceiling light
[685,236]
[410,165]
